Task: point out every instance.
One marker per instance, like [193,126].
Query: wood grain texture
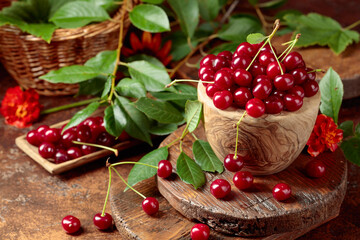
[272,141]
[255,212]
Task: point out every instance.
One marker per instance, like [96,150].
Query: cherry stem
[317,70]
[172,143]
[193,134]
[292,45]
[277,60]
[135,163]
[127,183]
[353,25]
[116,152]
[107,194]
[71,105]
[254,58]
[237,134]
[185,80]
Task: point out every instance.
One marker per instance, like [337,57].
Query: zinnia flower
[20,108]
[150,45]
[325,135]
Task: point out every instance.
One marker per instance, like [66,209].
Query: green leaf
[149,18]
[71,74]
[104,62]
[348,128]
[351,149]
[281,14]
[147,58]
[180,47]
[82,115]
[189,171]
[130,88]
[162,129]
[206,158]
[114,119]
[162,112]
[193,112]
[332,92]
[78,14]
[153,77]
[209,9]
[107,87]
[153,1]
[42,30]
[137,124]
[272,4]
[187,12]
[94,86]
[357,130]
[255,38]
[320,30]
[233,31]
[56,4]
[140,172]
[185,92]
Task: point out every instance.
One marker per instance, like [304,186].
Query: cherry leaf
[206,158]
[193,113]
[189,171]
[348,128]
[150,18]
[255,38]
[351,149]
[187,11]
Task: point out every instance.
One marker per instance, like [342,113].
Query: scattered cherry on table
[70,224]
[200,232]
[281,191]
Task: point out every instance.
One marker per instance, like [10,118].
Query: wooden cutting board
[252,213]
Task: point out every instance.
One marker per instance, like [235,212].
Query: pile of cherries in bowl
[60,147]
[262,88]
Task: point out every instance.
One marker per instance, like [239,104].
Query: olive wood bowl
[269,143]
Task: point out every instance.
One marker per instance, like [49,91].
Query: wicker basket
[27,57]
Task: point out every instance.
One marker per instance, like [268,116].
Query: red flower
[325,135]
[150,45]
[20,108]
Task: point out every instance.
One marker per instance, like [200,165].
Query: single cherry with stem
[233,164]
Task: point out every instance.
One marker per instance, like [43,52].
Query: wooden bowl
[271,142]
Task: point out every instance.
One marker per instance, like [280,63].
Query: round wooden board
[314,202]
[255,212]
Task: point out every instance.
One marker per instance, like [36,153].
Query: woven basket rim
[62,34]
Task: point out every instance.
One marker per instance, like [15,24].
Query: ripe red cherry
[257,69]
[207,76]
[297,90]
[150,205]
[265,58]
[315,168]
[274,104]
[207,60]
[200,232]
[89,122]
[299,75]
[52,135]
[273,70]
[83,133]
[61,156]
[70,224]
[47,150]
[267,48]
[243,180]
[242,77]
[219,63]
[310,88]
[281,191]
[293,60]
[262,90]
[211,89]
[164,169]
[255,108]
[105,139]
[241,96]
[68,137]
[86,149]
[41,132]
[103,222]
[257,46]
[74,152]
[225,54]
[278,93]
[259,79]
[223,99]
[240,62]
[223,79]
[220,188]
[245,49]
[233,165]
[292,102]
[284,82]
[32,138]
[310,75]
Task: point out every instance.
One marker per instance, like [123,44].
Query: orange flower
[20,108]
[325,135]
[150,45]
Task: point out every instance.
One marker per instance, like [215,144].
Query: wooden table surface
[33,202]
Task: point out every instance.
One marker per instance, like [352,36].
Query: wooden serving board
[253,213]
[53,168]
